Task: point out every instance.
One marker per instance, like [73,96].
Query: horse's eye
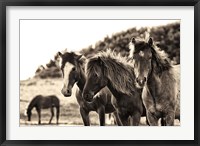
[134,57]
[73,69]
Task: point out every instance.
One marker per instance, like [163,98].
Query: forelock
[137,46]
[67,57]
[92,67]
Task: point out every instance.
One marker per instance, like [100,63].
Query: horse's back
[36,99]
[55,100]
[48,101]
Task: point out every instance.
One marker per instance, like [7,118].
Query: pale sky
[40,40]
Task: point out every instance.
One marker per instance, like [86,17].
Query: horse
[159,81]
[73,66]
[116,72]
[44,102]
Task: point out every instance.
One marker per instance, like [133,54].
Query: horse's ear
[133,40]
[150,41]
[60,54]
[82,59]
[60,58]
[100,61]
[131,47]
[78,57]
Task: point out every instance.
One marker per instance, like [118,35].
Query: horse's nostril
[87,97]
[145,79]
[68,91]
[141,81]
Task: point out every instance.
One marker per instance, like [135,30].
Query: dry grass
[69,110]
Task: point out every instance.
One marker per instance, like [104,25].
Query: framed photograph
[99,72]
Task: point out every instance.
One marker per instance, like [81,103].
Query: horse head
[95,80]
[71,71]
[141,52]
[28,113]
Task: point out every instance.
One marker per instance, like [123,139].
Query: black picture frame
[5,3]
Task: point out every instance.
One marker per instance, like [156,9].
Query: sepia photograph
[99,72]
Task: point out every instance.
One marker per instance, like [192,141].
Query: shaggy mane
[119,70]
[161,59]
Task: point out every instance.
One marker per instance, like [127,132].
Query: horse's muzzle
[141,82]
[66,93]
[88,96]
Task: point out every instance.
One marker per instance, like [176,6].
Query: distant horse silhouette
[72,66]
[115,72]
[43,102]
[159,80]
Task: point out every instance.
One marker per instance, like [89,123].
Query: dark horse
[43,102]
[115,72]
[72,66]
[159,80]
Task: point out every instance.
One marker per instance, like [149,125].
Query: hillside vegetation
[167,38]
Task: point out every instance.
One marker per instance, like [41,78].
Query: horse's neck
[114,91]
[81,81]
[160,65]
[121,85]
[31,105]
[153,83]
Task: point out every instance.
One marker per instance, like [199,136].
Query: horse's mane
[161,60]
[119,70]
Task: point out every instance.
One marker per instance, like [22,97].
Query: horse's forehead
[139,47]
[145,53]
[67,69]
[66,61]
[93,69]
[142,49]
[68,66]
[140,44]
[141,53]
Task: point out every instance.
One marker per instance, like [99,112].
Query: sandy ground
[69,110]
